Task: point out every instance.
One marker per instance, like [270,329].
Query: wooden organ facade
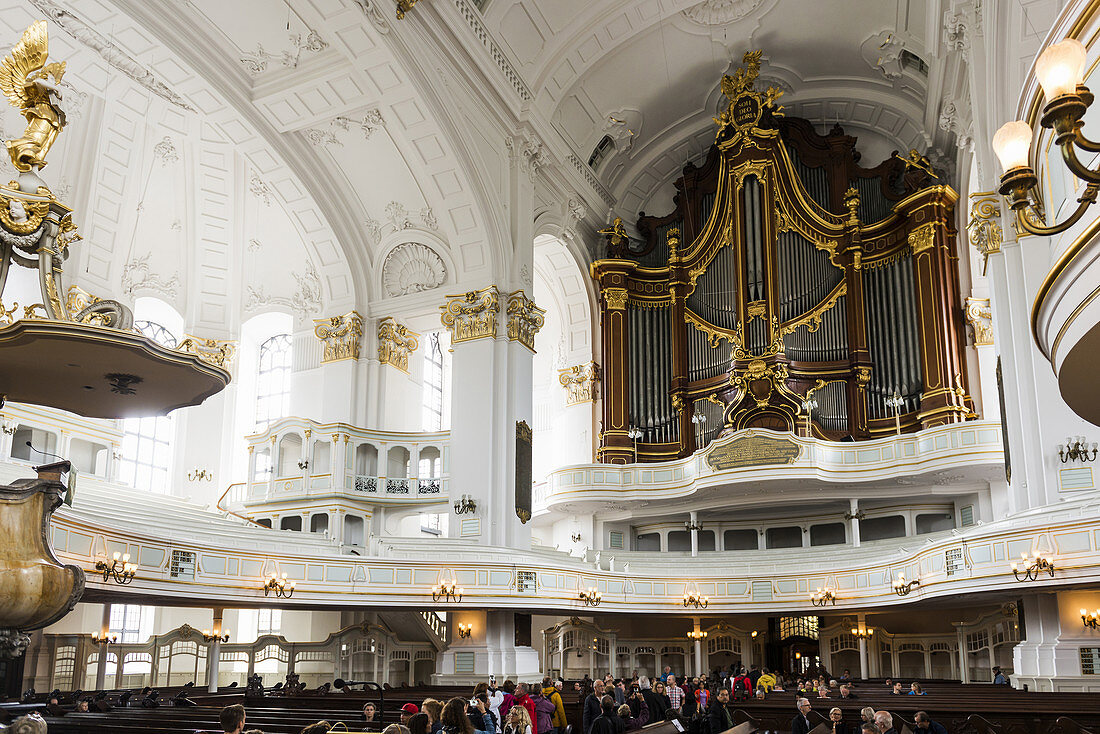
[787,280]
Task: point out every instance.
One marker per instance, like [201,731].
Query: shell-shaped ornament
[412,268]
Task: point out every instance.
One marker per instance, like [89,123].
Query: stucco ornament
[412,268]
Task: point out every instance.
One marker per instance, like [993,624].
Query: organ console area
[787,280]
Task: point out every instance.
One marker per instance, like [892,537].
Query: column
[853,520]
[307,463]
[214,653]
[274,449]
[101,667]
[696,628]
[864,670]
[694,533]
[612,664]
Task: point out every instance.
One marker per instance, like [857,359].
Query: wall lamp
[692,597]
[1061,71]
[903,587]
[447,589]
[465,505]
[693,526]
[1038,564]
[283,588]
[210,637]
[200,475]
[822,597]
[861,633]
[575,537]
[465,630]
[697,635]
[1075,449]
[303,464]
[121,570]
[590,596]
[102,638]
[1091,619]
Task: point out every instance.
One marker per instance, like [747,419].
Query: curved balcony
[960,454]
[296,460]
[1065,321]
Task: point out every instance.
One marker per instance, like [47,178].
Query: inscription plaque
[753,451]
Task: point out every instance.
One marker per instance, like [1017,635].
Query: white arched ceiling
[566,280]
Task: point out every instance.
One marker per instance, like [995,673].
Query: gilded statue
[24,78]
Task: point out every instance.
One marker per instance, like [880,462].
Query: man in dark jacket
[925,725]
[592,706]
[754,675]
[608,722]
[800,724]
[718,715]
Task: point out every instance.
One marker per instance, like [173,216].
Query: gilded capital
[984,228]
[581,383]
[341,336]
[922,238]
[980,316]
[615,298]
[395,343]
[472,315]
[524,319]
[216,352]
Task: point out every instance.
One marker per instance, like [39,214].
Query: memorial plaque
[523,471]
[753,450]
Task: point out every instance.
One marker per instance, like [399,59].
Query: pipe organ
[790,289]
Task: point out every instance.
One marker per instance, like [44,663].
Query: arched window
[273,380]
[147,442]
[434,383]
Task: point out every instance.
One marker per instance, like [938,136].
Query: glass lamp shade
[1012,144]
[1061,68]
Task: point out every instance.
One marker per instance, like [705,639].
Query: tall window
[131,622]
[147,442]
[273,380]
[432,414]
[269,621]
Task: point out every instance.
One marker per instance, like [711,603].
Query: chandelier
[692,597]
[862,633]
[215,635]
[697,635]
[447,589]
[821,597]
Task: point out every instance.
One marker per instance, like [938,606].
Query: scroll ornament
[395,343]
[524,319]
[984,228]
[341,336]
[216,352]
[472,315]
[581,383]
[980,316]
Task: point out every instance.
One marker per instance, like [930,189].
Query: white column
[864,671]
[101,668]
[694,534]
[612,644]
[214,653]
[964,669]
[854,510]
[696,628]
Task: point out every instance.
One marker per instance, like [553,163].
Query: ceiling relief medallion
[721,12]
[412,268]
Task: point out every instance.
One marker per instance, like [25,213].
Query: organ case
[786,275]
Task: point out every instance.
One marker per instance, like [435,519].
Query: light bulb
[117,556]
[1012,144]
[1061,68]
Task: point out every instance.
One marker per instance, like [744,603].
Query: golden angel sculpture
[24,78]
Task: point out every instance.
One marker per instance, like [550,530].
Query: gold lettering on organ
[751,450]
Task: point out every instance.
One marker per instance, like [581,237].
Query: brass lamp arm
[1074,164]
[1084,143]
[1024,217]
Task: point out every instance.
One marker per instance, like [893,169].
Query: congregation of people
[612,705]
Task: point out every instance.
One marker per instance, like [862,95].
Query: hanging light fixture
[1061,71]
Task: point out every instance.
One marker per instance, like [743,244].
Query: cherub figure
[24,78]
